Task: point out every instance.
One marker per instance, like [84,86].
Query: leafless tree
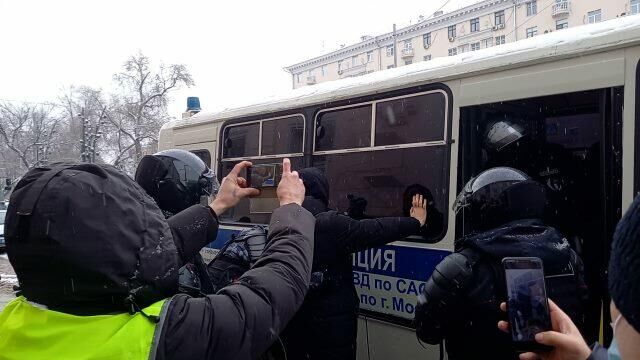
[139,107]
[30,132]
[90,125]
[86,112]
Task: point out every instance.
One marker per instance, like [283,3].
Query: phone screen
[527,303]
[266,175]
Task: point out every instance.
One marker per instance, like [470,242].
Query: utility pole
[395,50]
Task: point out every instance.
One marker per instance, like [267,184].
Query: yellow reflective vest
[28,331]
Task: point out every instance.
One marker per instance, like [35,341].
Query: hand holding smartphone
[264,176]
[527,303]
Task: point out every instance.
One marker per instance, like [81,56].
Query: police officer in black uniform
[177,179]
[501,209]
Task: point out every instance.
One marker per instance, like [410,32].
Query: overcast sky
[235,50]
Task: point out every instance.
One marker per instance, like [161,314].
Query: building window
[487,43]
[532,8]
[389,50]
[463,48]
[354,61]
[475,46]
[532,31]
[324,70]
[635,7]
[427,57]
[340,65]
[408,45]
[369,56]
[453,52]
[475,25]
[500,40]
[408,62]
[594,16]
[562,24]
[499,17]
[390,66]
[452,31]
[426,39]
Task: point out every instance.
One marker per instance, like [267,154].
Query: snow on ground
[8,279]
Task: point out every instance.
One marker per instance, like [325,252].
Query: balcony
[407,53]
[353,71]
[311,80]
[561,8]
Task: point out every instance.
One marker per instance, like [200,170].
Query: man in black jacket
[461,300]
[326,325]
[86,240]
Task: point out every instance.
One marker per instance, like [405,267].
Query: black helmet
[501,134]
[498,196]
[175,179]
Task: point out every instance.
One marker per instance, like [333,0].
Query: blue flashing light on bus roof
[193,103]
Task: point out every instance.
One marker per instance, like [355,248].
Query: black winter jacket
[326,325]
[242,320]
[467,319]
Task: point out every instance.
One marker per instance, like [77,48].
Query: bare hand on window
[290,189]
[232,189]
[419,209]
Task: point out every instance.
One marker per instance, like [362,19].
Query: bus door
[572,144]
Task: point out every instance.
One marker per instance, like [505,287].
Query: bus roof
[566,43]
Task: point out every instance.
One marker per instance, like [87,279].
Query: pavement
[7,280]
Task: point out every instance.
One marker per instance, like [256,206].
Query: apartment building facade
[485,24]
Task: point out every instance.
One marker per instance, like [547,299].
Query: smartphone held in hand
[527,303]
[264,176]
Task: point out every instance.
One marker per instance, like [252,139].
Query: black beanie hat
[315,184]
[624,266]
[86,239]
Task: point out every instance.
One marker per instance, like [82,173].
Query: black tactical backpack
[237,256]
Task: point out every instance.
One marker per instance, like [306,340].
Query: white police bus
[573,93]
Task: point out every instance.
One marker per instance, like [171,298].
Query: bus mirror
[227,143]
[320,132]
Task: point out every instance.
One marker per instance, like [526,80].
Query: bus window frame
[260,122]
[636,147]
[372,137]
[426,144]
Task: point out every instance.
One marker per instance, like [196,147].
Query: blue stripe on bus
[409,262]
[224,235]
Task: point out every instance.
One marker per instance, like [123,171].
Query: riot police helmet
[497,196]
[175,179]
[501,134]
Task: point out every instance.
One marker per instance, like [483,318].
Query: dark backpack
[237,256]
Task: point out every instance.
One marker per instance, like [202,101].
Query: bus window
[241,141]
[371,184]
[412,119]
[344,129]
[282,136]
[204,155]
